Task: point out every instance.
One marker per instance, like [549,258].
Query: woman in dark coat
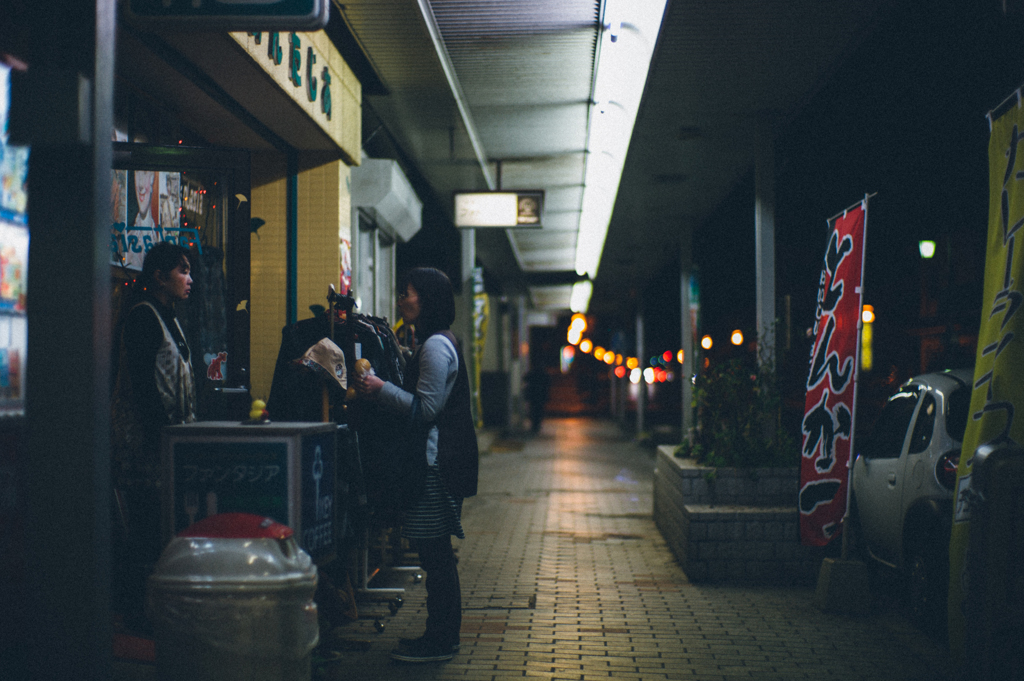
[155,388]
[435,401]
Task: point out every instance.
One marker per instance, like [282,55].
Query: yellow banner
[998,392]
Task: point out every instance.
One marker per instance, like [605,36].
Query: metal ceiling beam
[453,83]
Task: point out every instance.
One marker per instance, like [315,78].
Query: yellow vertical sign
[998,391]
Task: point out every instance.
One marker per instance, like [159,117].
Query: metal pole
[641,398]
[291,302]
[764,247]
[686,330]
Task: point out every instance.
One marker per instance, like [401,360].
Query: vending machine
[13,262]
[13,345]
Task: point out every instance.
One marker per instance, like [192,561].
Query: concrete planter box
[742,528]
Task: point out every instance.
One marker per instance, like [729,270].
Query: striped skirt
[437,514]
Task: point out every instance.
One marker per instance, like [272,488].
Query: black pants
[444,595]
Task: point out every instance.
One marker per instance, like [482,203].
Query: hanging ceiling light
[629,30]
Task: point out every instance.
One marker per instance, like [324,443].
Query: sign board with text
[232,15]
[283,471]
[510,210]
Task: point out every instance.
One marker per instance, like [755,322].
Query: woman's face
[176,284]
[409,305]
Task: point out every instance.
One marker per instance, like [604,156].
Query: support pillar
[63,107]
[468,262]
[687,330]
[764,234]
[641,397]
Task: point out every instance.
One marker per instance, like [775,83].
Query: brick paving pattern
[565,576]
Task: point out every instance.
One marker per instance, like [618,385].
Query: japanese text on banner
[831,382]
[998,392]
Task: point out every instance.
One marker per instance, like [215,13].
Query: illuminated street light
[680,356]
[578,321]
[705,342]
[632,363]
[926,249]
[586,346]
[634,376]
[868,314]
[649,375]
[736,338]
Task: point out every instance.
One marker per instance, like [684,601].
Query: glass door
[199,198]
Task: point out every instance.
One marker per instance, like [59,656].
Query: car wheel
[928,583]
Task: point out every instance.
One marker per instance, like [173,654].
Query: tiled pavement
[565,576]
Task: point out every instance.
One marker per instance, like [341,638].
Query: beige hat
[328,360]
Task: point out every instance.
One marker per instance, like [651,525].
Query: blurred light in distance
[705,342]
[574,336]
[618,359]
[568,354]
[578,321]
[579,299]
[586,345]
[599,352]
[667,355]
[609,357]
[926,249]
[632,363]
[661,375]
[867,336]
[649,375]
[634,376]
[736,338]
[680,356]
[620,371]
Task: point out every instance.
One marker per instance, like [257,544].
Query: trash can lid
[235,552]
[237,526]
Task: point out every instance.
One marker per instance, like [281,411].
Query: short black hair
[164,256]
[436,298]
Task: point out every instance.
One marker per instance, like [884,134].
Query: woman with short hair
[434,400]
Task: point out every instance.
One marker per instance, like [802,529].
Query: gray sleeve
[439,365]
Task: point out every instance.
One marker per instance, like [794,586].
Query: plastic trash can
[232,598]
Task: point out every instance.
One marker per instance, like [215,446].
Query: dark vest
[457,455]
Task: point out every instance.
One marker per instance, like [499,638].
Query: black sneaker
[416,641]
[422,650]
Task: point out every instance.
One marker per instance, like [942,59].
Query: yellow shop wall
[324,218]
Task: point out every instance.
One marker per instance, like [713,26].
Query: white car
[903,479]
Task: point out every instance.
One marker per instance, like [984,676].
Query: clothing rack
[339,305]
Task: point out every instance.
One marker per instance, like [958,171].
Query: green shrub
[739,409]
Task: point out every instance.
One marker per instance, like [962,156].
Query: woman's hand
[368,385]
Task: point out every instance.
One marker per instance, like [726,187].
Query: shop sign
[306,67]
[519,209]
[232,15]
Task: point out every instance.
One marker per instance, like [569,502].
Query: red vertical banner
[832,381]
